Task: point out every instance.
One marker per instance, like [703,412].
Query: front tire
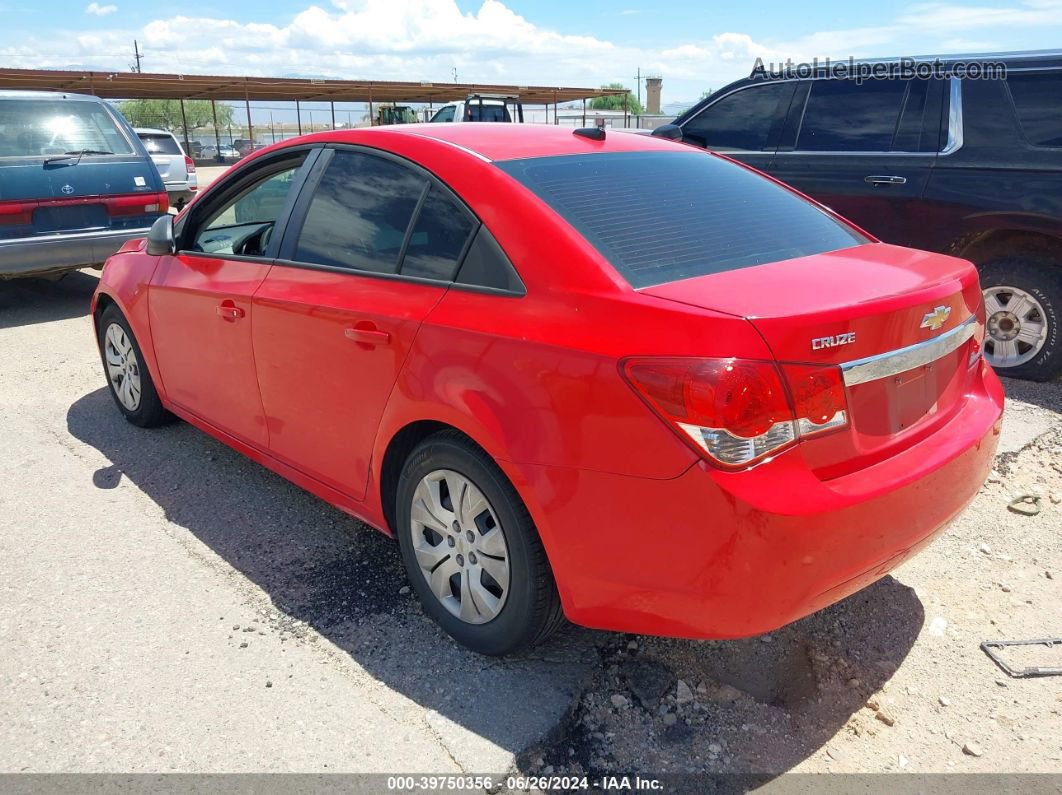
[128,379]
[471,551]
[1023,312]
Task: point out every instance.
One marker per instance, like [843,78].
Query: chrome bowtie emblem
[67,189]
[937,318]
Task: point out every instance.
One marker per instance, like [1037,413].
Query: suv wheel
[471,551]
[1023,308]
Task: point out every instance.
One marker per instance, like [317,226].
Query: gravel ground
[167,605]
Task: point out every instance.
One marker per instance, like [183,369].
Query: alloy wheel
[1016,326]
[123,370]
[460,546]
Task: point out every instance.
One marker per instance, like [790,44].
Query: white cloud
[100,11]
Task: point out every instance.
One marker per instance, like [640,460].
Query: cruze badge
[832,342]
[937,318]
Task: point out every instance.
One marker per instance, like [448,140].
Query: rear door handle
[885,180]
[228,310]
[367,335]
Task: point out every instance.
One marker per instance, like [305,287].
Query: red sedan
[600,376]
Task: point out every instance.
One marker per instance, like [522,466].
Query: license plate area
[78,217]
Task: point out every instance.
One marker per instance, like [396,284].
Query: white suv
[481,108]
[176,168]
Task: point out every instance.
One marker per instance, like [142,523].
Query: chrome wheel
[1016,326]
[123,370]
[460,546]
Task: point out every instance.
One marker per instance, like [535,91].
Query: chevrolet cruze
[577,374]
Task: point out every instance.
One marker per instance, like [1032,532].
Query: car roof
[494,141]
[13,94]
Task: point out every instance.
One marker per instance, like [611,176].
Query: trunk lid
[855,304]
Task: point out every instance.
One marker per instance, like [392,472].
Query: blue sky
[694,46]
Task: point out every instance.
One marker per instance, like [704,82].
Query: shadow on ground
[323,569]
[24,302]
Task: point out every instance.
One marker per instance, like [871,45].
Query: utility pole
[136,54]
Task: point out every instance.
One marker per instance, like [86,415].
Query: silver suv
[177,168]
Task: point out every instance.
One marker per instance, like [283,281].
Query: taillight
[737,411]
[189,165]
[16,213]
[137,204]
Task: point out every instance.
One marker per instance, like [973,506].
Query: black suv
[970,167]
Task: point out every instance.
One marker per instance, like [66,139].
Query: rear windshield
[42,127]
[476,112]
[158,144]
[663,216]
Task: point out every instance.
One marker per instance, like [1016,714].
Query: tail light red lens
[189,165]
[16,213]
[137,203]
[736,411]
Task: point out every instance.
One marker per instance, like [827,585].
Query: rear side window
[44,127]
[745,121]
[359,213]
[438,239]
[843,116]
[157,144]
[1038,100]
[663,216]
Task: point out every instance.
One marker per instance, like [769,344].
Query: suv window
[843,116]
[244,224]
[43,127]
[444,114]
[159,144]
[438,239]
[663,216]
[359,213]
[745,121]
[1038,100]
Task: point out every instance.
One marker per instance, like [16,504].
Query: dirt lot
[167,605]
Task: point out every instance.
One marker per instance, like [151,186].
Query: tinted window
[444,114]
[745,121]
[1038,99]
[841,116]
[359,213]
[663,216]
[157,144]
[42,127]
[486,112]
[485,265]
[438,238]
[244,223]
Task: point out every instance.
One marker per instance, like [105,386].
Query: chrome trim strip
[131,234]
[884,365]
[954,142]
[464,149]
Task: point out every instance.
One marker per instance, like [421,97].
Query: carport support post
[332,105]
[584,111]
[555,120]
[184,124]
[250,132]
[217,132]
[626,96]
[298,117]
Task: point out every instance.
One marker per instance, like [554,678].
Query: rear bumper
[714,554]
[51,253]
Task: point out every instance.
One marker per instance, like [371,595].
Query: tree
[166,113]
[615,101]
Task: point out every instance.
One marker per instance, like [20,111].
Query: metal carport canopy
[136,85]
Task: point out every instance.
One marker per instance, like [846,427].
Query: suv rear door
[167,156]
[865,149]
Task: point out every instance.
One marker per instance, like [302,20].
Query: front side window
[48,127]
[1038,100]
[444,114]
[663,216]
[244,224]
[359,213]
[845,116]
[745,121]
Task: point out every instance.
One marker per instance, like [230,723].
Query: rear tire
[1034,289]
[128,380]
[473,557]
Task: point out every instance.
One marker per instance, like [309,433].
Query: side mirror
[670,131]
[160,239]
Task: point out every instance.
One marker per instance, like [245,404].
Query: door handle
[367,335]
[228,310]
[885,180]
